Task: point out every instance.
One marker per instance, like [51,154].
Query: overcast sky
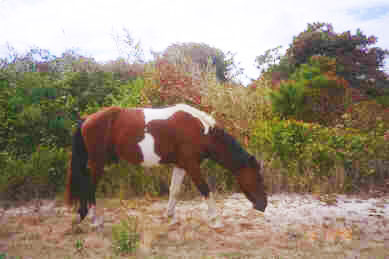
[245,27]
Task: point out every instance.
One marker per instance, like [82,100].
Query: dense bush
[303,148]
[314,93]
[41,175]
[360,63]
[367,116]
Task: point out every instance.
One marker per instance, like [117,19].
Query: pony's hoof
[172,220]
[215,223]
[212,215]
[97,223]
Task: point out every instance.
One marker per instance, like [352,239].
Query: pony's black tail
[79,181]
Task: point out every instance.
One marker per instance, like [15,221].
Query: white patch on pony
[165,113]
[150,158]
[92,213]
[212,215]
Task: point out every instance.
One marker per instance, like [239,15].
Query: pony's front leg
[202,186]
[175,186]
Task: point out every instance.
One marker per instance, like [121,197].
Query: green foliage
[303,147]
[126,181]
[314,93]
[358,60]
[90,88]
[288,139]
[125,236]
[129,94]
[34,113]
[40,175]
[383,100]
[79,245]
[367,116]
[288,101]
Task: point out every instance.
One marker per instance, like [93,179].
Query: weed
[79,245]
[125,236]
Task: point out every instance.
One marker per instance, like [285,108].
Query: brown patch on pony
[175,143]
[96,132]
[129,130]
[99,120]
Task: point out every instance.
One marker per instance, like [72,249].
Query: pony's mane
[239,156]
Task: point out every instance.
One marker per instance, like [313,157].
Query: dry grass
[244,234]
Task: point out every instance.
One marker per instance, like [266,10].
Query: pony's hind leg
[97,172]
[175,185]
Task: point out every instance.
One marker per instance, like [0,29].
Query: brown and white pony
[180,135]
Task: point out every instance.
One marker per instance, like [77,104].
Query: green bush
[129,94]
[305,147]
[40,175]
[33,112]
[314,93]
[288,101]
[90,88]
[125,180]
[125,236]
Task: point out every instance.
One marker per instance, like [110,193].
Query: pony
[180,135]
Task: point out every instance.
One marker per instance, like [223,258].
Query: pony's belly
[147,147]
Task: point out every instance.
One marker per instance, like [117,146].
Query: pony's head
[225,150]
[251,183]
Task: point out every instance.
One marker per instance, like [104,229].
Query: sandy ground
[293,226]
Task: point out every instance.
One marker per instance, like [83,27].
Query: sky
[246,27]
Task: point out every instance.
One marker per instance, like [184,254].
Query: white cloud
[247,28]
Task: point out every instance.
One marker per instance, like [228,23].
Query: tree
[358,61]
[314,93]
[203,58]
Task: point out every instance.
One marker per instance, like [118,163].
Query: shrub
[126,181]
[34,113]
[367,116]
[125,236]
[167,84]
[90,88]
[40,175]
[129,94]
[305,148]
[288,100]
[360,61]
[237,108]
[313,94]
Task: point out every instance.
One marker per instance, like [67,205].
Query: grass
[125,236]
[122,236]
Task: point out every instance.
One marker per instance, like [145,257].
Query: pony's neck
[226,150]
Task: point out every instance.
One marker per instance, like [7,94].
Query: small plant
[125,236]
[80,246]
